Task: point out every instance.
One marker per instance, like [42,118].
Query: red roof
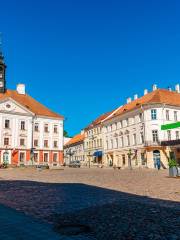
[76,139]
[30,103]
[161,96]
[99,120]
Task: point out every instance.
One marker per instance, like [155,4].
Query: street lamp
[70,152]
[89,155]
[129,159]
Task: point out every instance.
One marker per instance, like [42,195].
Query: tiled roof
[99,120]
[76,139]
[29,103]
[157,96]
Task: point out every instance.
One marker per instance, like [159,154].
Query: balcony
[151,143]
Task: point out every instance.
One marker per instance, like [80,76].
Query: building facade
[74,149]
[94,141]
[133,135]
[30,133]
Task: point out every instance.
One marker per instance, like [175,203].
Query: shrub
[172,163]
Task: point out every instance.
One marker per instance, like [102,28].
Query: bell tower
[2,70]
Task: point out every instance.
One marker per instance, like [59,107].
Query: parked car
[75,164]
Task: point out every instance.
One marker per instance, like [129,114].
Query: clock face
[1,84]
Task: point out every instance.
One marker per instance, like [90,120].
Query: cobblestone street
[116,204]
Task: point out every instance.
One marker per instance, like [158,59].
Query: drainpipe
[32,138]
[144,130]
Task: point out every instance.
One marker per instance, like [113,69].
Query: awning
[98,154]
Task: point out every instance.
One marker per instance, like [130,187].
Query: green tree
[65,134]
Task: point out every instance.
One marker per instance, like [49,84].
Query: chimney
[21,89]
[154,87]
[135,96]
[128,100]
[177,88]
[169,88]
[145,91]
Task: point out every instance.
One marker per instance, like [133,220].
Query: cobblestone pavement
[113,204]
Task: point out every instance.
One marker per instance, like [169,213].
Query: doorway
[6,158]
[157,159]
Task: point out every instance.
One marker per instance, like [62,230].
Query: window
[155,135]
[55,144]
[45,143]
[177,135]
[6,141]
[175,115]
[143,160]
[22,125]
[21,156]
[36,127]
[55,157]
[111,143]
[127,122]
[55,129]
[7,123]
[116,142]
[46,129]
[123,159]
[122,141]
[140,117]
[107,145]
[115,126]
[134,139]
[46,157]
[36,157]
[100,143]
[169,135]
[35,143]
[133,120]
[167,115]
[22,142]
[142,137]
[153,114]
[128,140]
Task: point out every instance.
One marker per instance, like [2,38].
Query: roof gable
[30,104]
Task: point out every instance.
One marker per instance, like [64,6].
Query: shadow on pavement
[85,212]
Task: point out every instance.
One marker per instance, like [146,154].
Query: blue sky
[83,58]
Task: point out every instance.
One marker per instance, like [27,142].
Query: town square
[89,120]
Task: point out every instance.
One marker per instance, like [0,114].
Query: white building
[133,135]
[30,133]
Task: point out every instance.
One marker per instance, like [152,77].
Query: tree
[65,134]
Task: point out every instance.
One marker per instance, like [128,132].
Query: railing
[151,143]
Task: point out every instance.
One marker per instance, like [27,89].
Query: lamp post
[89,155]
[129,159]
[70,152]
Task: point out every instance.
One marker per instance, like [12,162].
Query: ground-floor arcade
[17,157]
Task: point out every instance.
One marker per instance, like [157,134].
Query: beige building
[74,149]
[132,136]
[93,142]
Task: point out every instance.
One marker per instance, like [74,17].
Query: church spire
[1,53]
[2,69]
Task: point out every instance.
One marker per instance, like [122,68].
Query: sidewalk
[16,225]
